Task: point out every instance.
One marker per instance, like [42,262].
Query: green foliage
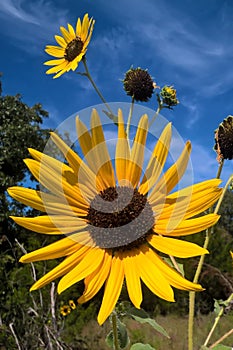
[19,129]
[142,317]
[122,335]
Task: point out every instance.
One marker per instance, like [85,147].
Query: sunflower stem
[220,314]
[160,107]
[114,330]
[88,75]
[130,117]
[192,294]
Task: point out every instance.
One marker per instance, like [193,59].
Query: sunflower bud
[224,139]
[139,84]
[168,95]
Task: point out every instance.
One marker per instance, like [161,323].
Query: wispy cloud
[190,48]
[31,23]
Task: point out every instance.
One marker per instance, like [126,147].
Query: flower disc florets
[224,139]
[168,94]
[138,84]
[120,218]
[73,49]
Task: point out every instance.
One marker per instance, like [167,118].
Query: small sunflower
[116,222]
[72,304]
[168,94]
[73,46]
[65,310]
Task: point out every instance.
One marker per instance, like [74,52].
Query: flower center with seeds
[73,49]
[120,218]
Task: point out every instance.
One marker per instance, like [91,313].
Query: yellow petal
[54,164]
[87,265]
[85,25]
[175,247]
[172,276]
[85,175]
[56,183]
[67,36]
[71,31]
[192,200]
[122,150]
[53,224]
[65,266]
[27,196]
[78,28]
[54,250]
[187,227]
[54,62]
[73,159]
[63,66]
[132,277]
[85,142]
[55,51]
[104,169]
[112,289]
[60,40]
[152,276]
[172,176]
[157,161]
[44,201]
[96,279]
[137,152]
[87,38]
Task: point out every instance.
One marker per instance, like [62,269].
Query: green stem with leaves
[209,232]
[115,332]
[88,75]
[218,318]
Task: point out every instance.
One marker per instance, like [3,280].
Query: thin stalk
[115,333]
[192,294]
[88,75]
[218,318]
[130,117]
[160,107]
[221,339]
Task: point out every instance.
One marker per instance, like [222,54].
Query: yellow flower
[65,310]
[116,221]
[231,254]
[72,304]
[73,46]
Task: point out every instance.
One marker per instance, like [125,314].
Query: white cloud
[31,23]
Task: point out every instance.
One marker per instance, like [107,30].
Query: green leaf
[169,262]
[123,337]
[222,347]
[217,307]
[142,317]
[140,346]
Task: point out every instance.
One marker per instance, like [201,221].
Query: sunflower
[116,220]
[65,310]
[72,304]
[73,46]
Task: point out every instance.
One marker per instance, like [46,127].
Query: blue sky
[181,42]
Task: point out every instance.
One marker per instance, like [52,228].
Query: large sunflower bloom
[73,46]
[115,224]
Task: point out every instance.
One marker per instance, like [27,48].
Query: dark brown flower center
[119,218]
[73,49]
